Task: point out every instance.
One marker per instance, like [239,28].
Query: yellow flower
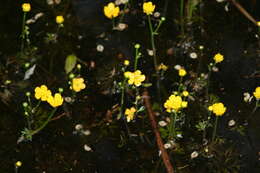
[185,93]
[26,7]
[162,67]
[218,109]
[257,93]
[126,62]
[148,8]
[174,103]
[42,93]
[135,78]
[130,114]
[18,164]
[59,19]
[111,10]
[55,101]
[218,58]
[182,72]
[258,23]
[78,84]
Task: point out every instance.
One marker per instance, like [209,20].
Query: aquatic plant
[218,109]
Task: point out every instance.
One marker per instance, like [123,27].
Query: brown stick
[243,11]
[165,156]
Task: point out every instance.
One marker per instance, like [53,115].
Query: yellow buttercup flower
[55,101]
[162,67]
[59,19]
[18,164]
[148,8]
[126,62]
[182,72]
[258,23]
[135,78]
[26,7]
[218,109]
[174,104]
[111,11]
[257,93]
[78,84]
[42,93]
[130,114]
[185,93]
[218,58]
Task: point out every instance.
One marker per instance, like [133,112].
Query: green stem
[122,16]
[172,125]
[155,59]
[122,99]
[136,58]
[256,106]
[45,123]
[152,43]
[181,16]
[215,129]
[23,33]
[158,27]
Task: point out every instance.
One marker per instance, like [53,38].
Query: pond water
[112,145]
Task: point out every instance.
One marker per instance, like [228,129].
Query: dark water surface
[58,149]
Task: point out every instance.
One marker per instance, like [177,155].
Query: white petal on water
[29,72]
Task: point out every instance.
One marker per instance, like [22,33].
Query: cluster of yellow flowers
[135,78]
[257,93]
[78,84]
[44,94]
[112,11]
[130,114]
[218,58]
[217,108]
[175,103]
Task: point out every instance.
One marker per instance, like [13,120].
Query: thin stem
[256,106]
[122,99]
[23,32]
[136,58]
[45,123]
[215,129]
[181,16]
[152,43]
[158,27]
[155,58]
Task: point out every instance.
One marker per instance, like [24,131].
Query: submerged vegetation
[140,86]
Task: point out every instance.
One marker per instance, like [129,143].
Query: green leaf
[70,63]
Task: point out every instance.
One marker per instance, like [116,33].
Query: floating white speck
[162,123]
[193,55]
[79,127]
[87,148]
[29,72]
[100,48]
[194,154]
[177,67]
[231,123]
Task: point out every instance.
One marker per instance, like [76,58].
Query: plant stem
[155,59]
[122,99]
[45,123]
[215,129]
[136,58]
[23,33]
[181,16]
